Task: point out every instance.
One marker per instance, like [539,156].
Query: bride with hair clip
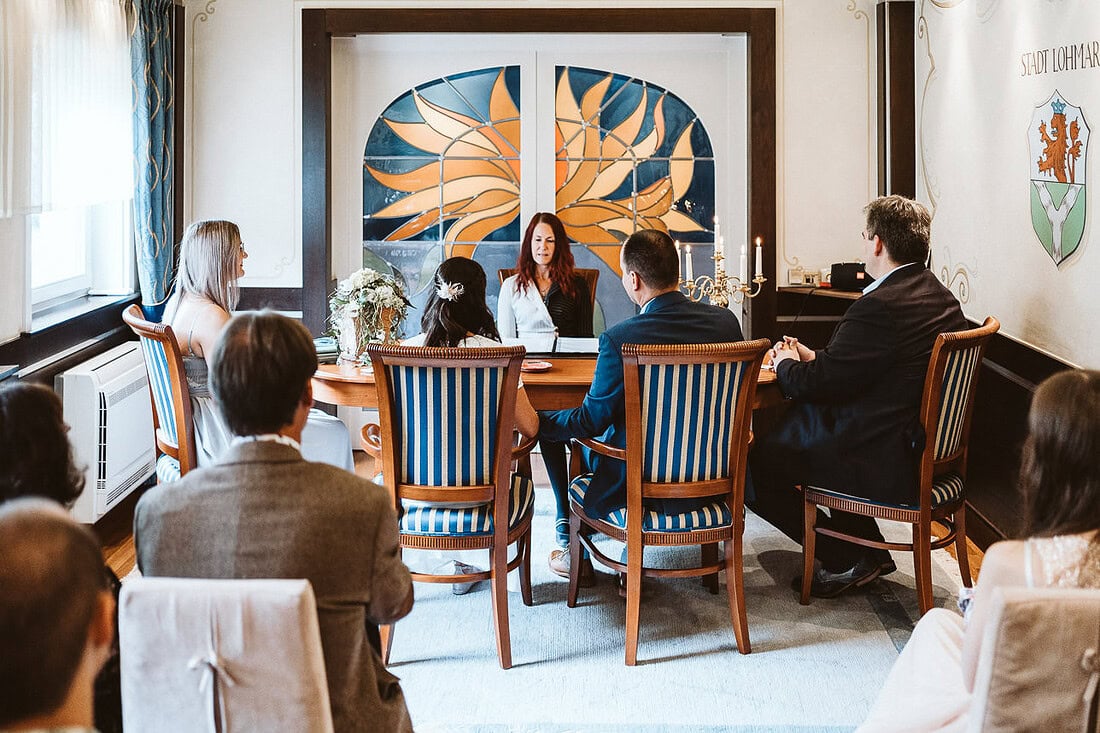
[456,315]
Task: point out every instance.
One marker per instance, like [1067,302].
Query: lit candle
[743,270]
[687,262]
[759,256]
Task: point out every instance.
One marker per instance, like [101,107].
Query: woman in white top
[930,685]
[206,292]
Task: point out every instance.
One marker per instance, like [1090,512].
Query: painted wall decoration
[1005,93]
[442,173]
[1058,138]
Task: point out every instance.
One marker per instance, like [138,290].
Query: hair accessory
[449,291]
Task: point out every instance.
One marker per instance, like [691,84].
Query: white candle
[743,270]
[759,256]
[687,262]
[677,243]
[717,237]
[721,261]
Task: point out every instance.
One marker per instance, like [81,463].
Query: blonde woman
[211,262]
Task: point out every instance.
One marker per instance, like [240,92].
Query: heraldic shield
[1058,139]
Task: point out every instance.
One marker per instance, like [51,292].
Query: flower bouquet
[367,306]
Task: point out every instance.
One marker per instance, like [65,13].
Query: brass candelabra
[723,287]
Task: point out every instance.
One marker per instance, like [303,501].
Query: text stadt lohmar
[1070,57]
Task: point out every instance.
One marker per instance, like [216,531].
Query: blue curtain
[151,64]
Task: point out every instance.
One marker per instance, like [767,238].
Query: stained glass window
[441,176]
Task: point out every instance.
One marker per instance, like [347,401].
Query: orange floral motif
[588,169]
[475,183]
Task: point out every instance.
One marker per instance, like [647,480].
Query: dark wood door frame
[319,25]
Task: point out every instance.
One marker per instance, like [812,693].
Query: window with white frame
[70,125]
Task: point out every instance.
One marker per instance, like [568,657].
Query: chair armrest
[370,437]
[602,448]
[525,446]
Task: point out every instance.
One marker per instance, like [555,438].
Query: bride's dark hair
[462,309]
[1059,469]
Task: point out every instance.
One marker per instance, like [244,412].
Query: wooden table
[561,387]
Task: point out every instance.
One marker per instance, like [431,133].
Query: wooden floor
[115,531]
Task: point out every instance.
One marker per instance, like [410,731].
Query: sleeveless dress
[925,690]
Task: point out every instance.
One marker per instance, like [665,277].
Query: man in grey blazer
[263,511]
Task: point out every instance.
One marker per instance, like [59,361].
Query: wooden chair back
[172,422]
[447,417]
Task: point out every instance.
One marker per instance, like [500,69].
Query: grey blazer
[264,512]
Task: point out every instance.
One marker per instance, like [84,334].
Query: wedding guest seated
[56,619]
[930,685]
[206,292]
[456,315]
[264,511]
[36,460]
[546,294]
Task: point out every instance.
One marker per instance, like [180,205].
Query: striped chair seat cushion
[168,469]
[716,514]
[446,520]
[945,488]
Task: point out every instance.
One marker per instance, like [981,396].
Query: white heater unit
[106,404]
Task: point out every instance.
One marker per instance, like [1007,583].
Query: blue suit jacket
[669,318]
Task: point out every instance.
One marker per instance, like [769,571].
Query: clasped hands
[788,348]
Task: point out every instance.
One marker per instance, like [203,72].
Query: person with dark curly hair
[36,460]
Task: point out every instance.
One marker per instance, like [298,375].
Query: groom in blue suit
[651,278]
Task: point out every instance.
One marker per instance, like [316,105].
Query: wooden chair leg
[709,556]
[922,563]
[574,558]
[960,547]
[525,566]
[633,599]
[735,588]
[809,543]
[385,634]
[498,558]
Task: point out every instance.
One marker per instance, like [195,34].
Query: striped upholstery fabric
[168,469]
[709,517]
[945,488]
[687,439]
[448,420]
[962,367]
[440,519]
[156,365]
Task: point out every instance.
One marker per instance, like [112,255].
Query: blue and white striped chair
[447,425]
[172,424]
[688,418]
[946,407]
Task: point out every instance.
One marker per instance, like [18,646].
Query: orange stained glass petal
[414,226]
[592,234]
[477,226]
[579,183]
[655,199]
[623,135]
[460,250]
[452,125]
[678,222]
[501,104]
[609,255]
[414,180]
[610,178]
[592,99]
[487,200]
[447,192]
[453,169]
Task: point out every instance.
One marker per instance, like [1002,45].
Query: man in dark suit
[854,427]
[651,278]
[263,511]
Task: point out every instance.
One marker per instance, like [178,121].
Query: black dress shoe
[829,584]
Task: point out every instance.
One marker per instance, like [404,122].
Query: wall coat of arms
[1058,140]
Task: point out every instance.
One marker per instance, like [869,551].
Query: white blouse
[521,311]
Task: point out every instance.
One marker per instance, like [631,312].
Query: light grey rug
[812,668]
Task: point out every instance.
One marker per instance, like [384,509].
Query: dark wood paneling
[759,312]
[896,98]
[316,184]
[280,299]
[319,25]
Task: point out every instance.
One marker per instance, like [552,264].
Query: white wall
[244,146]
[975,107]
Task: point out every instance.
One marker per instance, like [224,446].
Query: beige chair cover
[221,655]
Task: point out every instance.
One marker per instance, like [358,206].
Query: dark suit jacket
[264,512]
[667,319]
[855,426]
